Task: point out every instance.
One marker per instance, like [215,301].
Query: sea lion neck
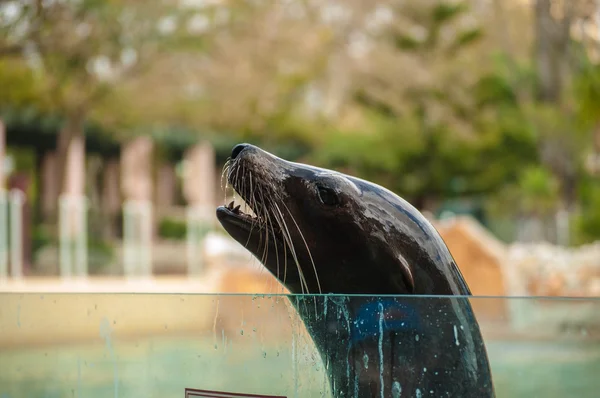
[403,240]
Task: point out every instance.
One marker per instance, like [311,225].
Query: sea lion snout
[238,149]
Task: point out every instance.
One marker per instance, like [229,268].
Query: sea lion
[372,257]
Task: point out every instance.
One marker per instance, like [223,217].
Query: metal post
[16,199]
[198,225]
[137,238]
[3,234]
[146,238]
[81,255]
[191,240]
[563,227]
[128,257]
[64,230]
[73,255]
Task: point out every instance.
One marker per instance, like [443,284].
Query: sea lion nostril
[237,150]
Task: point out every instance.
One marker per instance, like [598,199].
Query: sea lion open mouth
[241,219]
[267,228]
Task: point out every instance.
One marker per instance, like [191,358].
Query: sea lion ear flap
[408,279]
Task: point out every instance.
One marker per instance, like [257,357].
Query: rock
[480,258]
[545,269]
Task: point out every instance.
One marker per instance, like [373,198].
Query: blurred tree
[539,190]
[82,51]
[415,75]
[433,99]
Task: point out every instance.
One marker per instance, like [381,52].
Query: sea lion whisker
[280,222]
[225,176]
[309,254]
[224,171]
[307,248]
[287,239]
[266,223]
[270,222]
[293,251]
[283,238]
[252,221]
[237,176]
[266,228]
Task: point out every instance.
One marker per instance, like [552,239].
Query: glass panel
[137,345]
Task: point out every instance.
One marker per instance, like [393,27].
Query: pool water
[163,367]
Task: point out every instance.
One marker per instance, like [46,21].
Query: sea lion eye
[327,196]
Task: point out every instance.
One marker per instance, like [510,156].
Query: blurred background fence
[116,119]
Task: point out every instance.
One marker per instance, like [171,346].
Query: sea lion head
[321,231]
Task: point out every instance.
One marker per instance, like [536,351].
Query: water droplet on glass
[396,390]
[456,336]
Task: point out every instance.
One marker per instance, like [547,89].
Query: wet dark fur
[319,231]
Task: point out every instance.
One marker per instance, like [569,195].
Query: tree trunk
[72,128]
[38,212]
[552,63]
[551,50]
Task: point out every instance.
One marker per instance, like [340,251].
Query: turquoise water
[163,367]
[252,344]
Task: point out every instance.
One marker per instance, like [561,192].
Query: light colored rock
[479,254]
[544,269]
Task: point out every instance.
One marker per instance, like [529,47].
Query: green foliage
[586,89]
[100,255]
[456,122]
[40,238]
[19,85]
[405,42]
[444,12]
[467,37]
[587,223]
[433,18]
[539,190]
[493,90]
[172,229]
